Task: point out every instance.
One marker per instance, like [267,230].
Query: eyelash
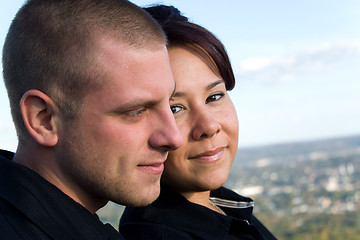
[172,107]
[217,96]
[136,113]
[210,99]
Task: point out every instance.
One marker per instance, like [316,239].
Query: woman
[193,204]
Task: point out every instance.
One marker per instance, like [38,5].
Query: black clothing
[173,217]
[33,208]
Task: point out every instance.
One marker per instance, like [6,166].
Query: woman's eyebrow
[208,87]
[214,84]
[179,94]
[173,93]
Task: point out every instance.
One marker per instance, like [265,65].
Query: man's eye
[215,97]
[176,108]
[136,113]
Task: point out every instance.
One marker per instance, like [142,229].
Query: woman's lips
[209,156]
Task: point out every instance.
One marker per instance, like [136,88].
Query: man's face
[116,148]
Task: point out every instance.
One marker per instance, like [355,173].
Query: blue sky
[296,65]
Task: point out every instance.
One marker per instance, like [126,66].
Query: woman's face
[208,123]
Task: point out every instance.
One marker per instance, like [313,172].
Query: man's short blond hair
[50,47]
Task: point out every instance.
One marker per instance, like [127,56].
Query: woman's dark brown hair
[181,32]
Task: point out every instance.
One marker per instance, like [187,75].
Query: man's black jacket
[32,208]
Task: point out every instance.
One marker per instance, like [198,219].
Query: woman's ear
[40,115]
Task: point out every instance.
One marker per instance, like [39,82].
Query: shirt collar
[177,212]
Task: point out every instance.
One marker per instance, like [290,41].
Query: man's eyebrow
[133,106]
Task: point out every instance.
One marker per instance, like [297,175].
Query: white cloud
[283,69]
[254,64]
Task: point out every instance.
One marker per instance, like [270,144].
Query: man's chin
[142,200]
[152,198]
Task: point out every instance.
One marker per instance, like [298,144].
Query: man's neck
[43,161]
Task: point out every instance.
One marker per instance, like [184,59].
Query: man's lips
[209,156]
[152,168]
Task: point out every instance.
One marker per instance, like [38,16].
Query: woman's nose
[206,125]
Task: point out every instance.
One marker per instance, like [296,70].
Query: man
[89,84]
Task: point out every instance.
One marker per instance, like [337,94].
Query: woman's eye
[215,97]
[176,108]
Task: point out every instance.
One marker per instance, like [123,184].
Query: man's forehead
[127,43]
[135,72]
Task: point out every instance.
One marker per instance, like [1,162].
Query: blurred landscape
[302,190]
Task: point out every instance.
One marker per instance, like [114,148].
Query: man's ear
[40,115]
